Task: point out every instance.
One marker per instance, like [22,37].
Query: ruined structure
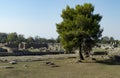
[41,46]
[55,47]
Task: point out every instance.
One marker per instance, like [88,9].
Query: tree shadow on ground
[113,60]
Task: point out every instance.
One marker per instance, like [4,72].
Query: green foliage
[30,40]
[51,40]
[3,37]
[105,40]
[12,38]
[79,26]
[15,38]
[37,39]
[112,39]
[18,38]
[21,38]
[108,40]
[58,39]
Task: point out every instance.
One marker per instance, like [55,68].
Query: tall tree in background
[21,38]
[58,39]
[3,37]
[80,28]
[105,40]
[52,40]
[12,37]
[37,39]
[30,40]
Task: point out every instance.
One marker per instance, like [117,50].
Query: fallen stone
[13,62]
[7,67]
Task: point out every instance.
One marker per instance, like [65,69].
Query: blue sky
[38,17]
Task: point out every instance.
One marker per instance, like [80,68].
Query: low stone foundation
[28,53]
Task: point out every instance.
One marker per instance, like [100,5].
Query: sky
[39,17]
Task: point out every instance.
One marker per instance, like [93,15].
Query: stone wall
[28,53]
[42,46]
[46,47]
[55,47]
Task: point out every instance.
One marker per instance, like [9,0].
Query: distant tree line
[18,38]
[108,40]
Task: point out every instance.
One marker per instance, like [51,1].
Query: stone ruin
[51,47]
[8,47]
[43,47]
[55,47]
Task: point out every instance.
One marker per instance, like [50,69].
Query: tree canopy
[18,38]
[79,28]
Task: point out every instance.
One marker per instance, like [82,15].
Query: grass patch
[67,69]
[99,50]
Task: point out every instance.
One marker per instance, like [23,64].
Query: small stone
[47,63]
[13,62]
[54,66]
[93,59]
[25,65]
[8,67]
[52,63]
[78,61]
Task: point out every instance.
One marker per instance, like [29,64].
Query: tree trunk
[80,53]
[87,53]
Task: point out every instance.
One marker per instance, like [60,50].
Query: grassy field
[67,68]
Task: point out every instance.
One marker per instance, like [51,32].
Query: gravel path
[36,58]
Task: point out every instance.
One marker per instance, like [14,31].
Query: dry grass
[67,68]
